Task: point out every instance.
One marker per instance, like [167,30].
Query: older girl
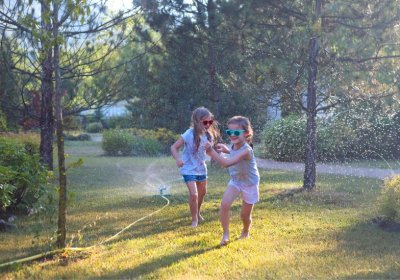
[192,164]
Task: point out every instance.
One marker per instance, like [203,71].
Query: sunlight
[117,5]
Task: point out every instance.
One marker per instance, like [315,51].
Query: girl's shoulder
[248,149]
[188,131]
[188,134]
[246,146]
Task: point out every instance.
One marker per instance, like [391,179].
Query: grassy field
[326,234]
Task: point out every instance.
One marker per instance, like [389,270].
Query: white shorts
[250,194]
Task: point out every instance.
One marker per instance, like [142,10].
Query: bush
[389,200]
[335,140]
[22,177]
[77,137]
[94,127]
[338,138]
[72,123]
[124,142]
[284,139]
[30,141]
[117,142]
[120,122]
[146,147]
[164,136]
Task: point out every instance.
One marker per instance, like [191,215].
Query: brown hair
[197,116]
[244,123]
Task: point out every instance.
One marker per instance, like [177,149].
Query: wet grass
[323,234]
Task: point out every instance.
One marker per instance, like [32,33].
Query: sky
[115,5]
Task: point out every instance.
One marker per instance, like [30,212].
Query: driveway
[376,173]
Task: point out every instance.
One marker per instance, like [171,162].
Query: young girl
[243,172]
[192,165]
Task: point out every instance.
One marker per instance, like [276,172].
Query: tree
[311,109]
[323,54]
[64,24]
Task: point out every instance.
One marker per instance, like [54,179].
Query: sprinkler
[162,190]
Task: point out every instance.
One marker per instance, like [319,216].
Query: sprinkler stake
[162,189]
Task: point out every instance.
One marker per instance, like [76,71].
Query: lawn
[320,235]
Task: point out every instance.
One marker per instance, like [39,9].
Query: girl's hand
[179,163]
[221,148]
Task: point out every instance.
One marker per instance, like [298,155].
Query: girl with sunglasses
[243,172]
[192,164]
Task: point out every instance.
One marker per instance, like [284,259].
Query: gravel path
[377,173]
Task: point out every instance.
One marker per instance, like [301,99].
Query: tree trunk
[62,203]
[311,147]
[46,109]
[212,57]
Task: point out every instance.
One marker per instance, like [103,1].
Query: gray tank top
[244,172]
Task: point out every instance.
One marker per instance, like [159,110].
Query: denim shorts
[195,178]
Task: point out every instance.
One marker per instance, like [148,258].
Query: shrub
[389,199]
[22,177]
[77,137]
[72,123]
[30,141]
[94,127]
[117,141]
[338,138]
[335,140]
[164,136]
[125,121]
[124,142]
[284,139]
[147,147]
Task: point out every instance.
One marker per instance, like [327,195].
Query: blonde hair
[245,124]
[197,116]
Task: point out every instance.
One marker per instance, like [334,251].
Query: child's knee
[225,205]
[194,196]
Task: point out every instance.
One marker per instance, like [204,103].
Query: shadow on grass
[365,241]
[387,274]
[365,238]
[149,267]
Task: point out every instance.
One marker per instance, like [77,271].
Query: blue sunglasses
[234,132]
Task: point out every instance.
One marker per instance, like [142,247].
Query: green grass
[320,235]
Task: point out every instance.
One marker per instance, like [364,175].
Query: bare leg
[193,202]
[201,190]
[231,193]
[246,218]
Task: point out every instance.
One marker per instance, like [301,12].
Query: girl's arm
[175,151]
[226,162]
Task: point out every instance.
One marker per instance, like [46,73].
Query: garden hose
[53,252]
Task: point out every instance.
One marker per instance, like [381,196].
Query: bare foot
[244,235]
[194,224]
[224,240]
[201,219]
